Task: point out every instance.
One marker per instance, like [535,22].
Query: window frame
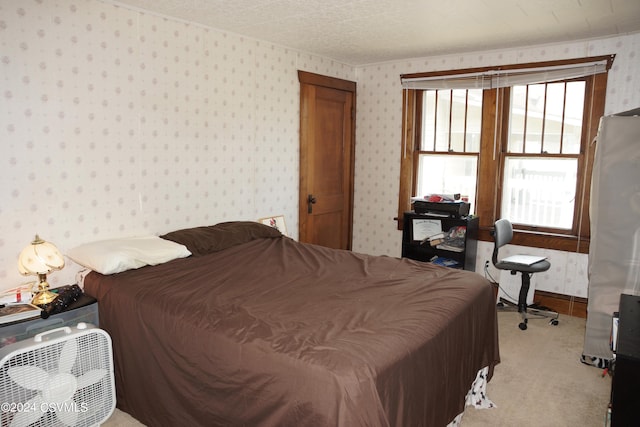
[418,151]
[493,147]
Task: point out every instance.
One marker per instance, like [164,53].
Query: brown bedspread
[275,332]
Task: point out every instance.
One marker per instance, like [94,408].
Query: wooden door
[327,141]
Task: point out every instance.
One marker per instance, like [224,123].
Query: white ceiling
[361,32]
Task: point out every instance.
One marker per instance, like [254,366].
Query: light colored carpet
[121,419]
[539,382]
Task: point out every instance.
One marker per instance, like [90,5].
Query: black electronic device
[454,209]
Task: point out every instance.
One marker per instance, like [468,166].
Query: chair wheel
[554,322]
[522,326]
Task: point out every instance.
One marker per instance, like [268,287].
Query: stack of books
[453,240]
[435,239]
[447,262]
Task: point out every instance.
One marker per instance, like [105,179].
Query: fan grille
[93,400]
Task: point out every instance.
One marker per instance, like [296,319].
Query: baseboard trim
[562,304]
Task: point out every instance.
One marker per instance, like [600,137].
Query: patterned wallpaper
[116,122]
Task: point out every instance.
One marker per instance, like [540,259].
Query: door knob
[311,200]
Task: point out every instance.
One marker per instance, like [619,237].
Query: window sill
[557,242]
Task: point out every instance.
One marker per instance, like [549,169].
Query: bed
[256,329]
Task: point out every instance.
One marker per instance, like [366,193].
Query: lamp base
[43,298]
[43,295]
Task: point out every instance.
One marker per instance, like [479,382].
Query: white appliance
[61,377]
[614,250]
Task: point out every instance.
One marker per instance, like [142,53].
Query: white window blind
[492,78]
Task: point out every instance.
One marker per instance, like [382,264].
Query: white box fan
[61,377]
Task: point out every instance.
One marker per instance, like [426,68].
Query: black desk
[625,387]
[415,249]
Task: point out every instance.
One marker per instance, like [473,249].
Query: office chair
[503,233]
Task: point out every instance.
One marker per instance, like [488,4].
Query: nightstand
[84,309]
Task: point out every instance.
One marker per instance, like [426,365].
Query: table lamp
[39,259]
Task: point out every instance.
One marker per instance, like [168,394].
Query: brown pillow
[207,239]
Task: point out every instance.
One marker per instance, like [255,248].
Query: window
[516,140]
[449,142]
[540,171]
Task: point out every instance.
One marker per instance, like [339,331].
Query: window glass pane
[428,120]
[516,119]
[540,191]
[573,117]
[443,173]
[535,111]
[458,119]
[442,125]
[553,118]
[464,117]
[474,120]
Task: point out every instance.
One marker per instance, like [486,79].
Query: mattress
[271,331]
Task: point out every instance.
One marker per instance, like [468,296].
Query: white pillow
[117,255]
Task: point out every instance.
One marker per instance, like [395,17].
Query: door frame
[305,77]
